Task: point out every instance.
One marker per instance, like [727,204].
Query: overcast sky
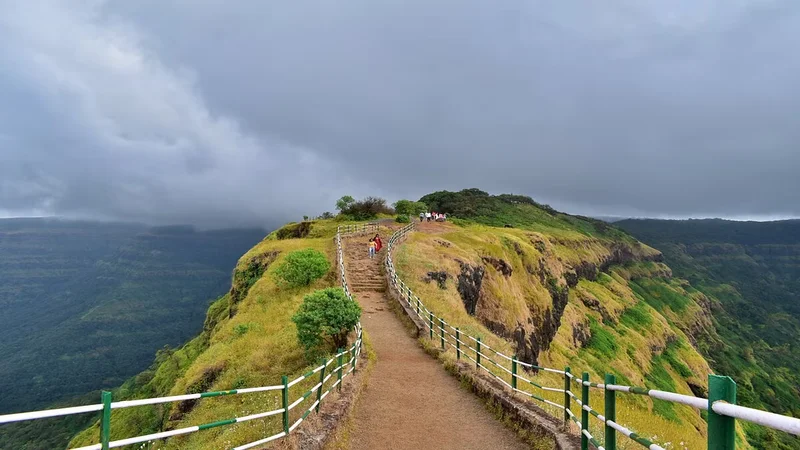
[254,112]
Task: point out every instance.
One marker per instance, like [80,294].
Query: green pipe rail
[721,404]
[341,369]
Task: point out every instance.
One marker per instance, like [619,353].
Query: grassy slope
[254,348]
[752,272]
[653,329]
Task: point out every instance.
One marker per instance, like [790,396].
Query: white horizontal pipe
[259,415]
[154,401]
[262,441]
[258,389]
[8,418]
[788,424]
[152,437]
[695,402]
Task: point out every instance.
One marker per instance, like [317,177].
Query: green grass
[602,341]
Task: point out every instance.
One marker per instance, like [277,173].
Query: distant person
[378,243]
[372,246]
[428,216]
[421,216]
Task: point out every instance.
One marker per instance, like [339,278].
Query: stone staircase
[363,274]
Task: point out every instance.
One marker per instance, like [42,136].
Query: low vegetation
[301,267]
[367,209]
[324,320]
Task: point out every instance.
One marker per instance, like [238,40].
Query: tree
[301,267]
[325,317]
[409,208]
[344,202]
[367,209]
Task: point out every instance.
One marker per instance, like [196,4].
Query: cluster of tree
[365,209]
[326,316]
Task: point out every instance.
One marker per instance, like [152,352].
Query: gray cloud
[223,113]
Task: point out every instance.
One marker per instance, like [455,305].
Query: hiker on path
[428,216]
[421,216]
[378,243]
[372,248]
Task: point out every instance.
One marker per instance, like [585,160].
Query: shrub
[409,208]
[367,209]
[344,202]
[402,218]
[325,318]
[301,267]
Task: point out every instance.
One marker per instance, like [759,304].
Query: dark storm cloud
[237,112]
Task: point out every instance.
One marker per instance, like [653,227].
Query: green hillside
[751,271]
[247,340]
[86,305]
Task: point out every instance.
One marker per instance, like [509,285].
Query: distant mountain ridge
[85,305]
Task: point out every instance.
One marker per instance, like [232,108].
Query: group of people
[375,246]
[436,217]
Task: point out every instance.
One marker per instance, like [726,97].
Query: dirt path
[410,401]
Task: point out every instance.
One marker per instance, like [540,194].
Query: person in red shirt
[378,243]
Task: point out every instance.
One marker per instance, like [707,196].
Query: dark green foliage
[637,317]
[516,211]
[659,295]
[602,341]
[367,209]
[402,218]
[86,305]
[410,208]
[344,202]
[325,317]
[301,267]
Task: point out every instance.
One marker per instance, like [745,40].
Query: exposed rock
[571,278]
[594,305]
[499,264]
[443,243]
[470,281]
[518,248]
[202,384]
[538,244]
[508,225]
[581,334]
[296,231]
[697,390]
[586,270]
[244,279]
[439,277]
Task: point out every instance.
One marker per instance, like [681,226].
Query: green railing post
[514,373]
[430,323]
[417,305]
[721,429]
[105,422]
[610,413]
[321,382]
[341,355]
[566,396]
[285,403]
[478,355]
[441,331]
[353,356]
[584,412]
[458,344]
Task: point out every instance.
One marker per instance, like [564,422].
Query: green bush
[367,209]
[324,319]
[301,267]
[402,218]
[410,208]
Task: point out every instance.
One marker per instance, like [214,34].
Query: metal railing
[342,364]
[721,404]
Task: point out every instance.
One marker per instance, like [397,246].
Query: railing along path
[342,364]
[721,404]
